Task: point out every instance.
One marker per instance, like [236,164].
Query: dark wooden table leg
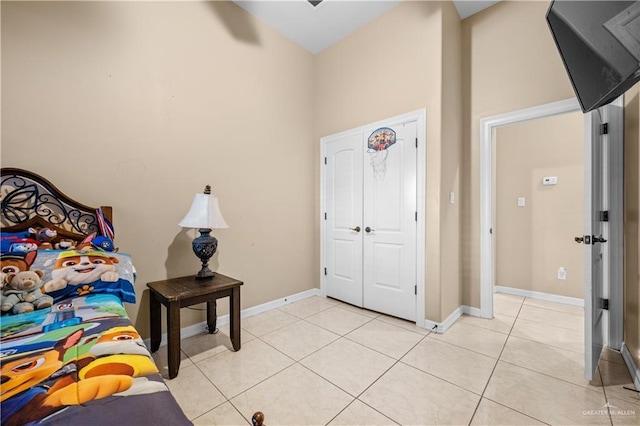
[212,317]
[155,322]
[234,305]
[173,337]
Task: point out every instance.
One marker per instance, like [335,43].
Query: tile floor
[319,362]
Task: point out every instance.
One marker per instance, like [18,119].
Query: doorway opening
[608,149]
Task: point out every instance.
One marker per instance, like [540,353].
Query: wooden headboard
[28,200]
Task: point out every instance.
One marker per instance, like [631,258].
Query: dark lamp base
[205,246]
[205,274]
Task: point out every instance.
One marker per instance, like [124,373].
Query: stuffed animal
[45,237]
[65,244]
[23,292]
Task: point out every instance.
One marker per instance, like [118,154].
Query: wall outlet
[562,273]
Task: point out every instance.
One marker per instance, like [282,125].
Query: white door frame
[420,117]
[487,127]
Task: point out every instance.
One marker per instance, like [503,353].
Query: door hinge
[604,216]
[325,215]
[605,304]
[416,142]
[415,290]
[325,160]
[325,271]
[416,216]
[604,129]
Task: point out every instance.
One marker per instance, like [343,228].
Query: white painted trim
[472,311]
[615,118]
[574,301]
[441,327]
[420,116]
[201,327]
[487,125]
[634,371]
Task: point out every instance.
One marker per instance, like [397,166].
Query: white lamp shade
[204,213]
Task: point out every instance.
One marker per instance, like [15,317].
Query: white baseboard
[441,327]
[631,365]
[201,327]
[539,295]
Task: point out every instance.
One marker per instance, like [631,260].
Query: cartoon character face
[13,263]
[21,372]
[23,247]
[77,267]
[120,340]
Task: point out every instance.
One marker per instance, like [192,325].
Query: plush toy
[65,244]
[23,292]
[23,245]
[45,236]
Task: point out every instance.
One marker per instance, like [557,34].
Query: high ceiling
[317,27]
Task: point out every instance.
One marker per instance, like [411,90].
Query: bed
[68,352]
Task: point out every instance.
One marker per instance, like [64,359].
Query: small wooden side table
[181,292]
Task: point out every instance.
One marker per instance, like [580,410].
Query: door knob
[367,230]
[357,229]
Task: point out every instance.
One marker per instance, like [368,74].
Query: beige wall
[138,105]
[393,65]
[533,241]
[631,228]
[510,62]
[451,122]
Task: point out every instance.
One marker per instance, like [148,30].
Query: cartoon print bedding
[80,361]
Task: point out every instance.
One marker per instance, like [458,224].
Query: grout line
[606,398]
[494,369]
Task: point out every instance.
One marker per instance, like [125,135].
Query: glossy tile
[299,339]
[491,413]
[615,378]
[194,392]
[409,396]
[500,323]
[462,367]
[554,336]
[552,318]
[357,310]
[543,397]
[161,360]
[612,355]
[623,412]
[306,307]
[205,345]
[506,307]
[550,360]
[358,413]
[486,342]
[235,372]
[295,396]
[561,307]
[508,297]
[407,325]
[225,414]
[385,338]
[339,320]
[349,365]
[266,322]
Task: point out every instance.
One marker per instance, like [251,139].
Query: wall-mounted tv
[599,42]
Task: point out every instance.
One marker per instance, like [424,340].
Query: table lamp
[204,215]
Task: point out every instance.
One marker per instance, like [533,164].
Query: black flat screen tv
[599,42]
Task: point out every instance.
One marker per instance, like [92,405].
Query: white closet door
[343,188]
[389,238]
